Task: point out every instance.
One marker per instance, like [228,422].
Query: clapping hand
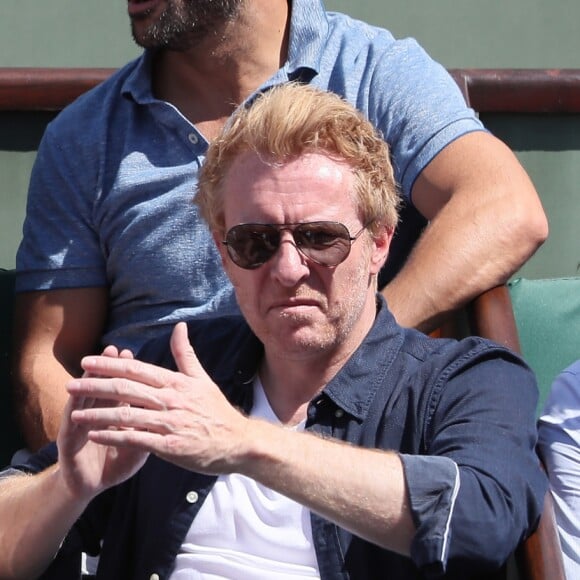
[89,467]
[180,416]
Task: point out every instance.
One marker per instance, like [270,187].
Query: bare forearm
[36,514]
[359,489]
[486,220]
[53,330]
[468,248]
[40,386]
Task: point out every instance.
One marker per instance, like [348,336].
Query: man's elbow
[528,226]
[537,227]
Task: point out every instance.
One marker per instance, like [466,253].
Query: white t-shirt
[246,530]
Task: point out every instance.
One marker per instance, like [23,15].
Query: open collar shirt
[461,415]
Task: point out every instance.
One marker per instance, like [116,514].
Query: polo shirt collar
[137,85]
[308,33]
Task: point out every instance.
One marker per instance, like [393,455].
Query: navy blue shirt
[461,415]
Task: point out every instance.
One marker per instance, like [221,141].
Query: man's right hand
[55,498]
[87,467]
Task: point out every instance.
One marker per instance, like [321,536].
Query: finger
[183,353]
[113,391]
[68,426]
[141,440]
[111,351]
[129,368]
[124,418]
[114,352]
[80,402]
[75,402]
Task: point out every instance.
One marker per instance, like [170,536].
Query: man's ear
[380,248]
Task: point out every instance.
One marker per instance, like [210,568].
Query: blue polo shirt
[460,414]
[110,194]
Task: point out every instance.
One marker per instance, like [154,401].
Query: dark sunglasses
[326,243]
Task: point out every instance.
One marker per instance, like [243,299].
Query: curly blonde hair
[290,120]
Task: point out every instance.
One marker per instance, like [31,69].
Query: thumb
[185,358]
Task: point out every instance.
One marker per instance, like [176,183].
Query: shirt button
[192,497]
[154,577]
[338,413]
[193,138]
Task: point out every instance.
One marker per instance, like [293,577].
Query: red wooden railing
[487,90]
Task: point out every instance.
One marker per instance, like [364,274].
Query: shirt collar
[354,386]
[308,33]
[137,84]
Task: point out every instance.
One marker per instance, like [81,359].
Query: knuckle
[125,414]
[121,387]
[174,445]
[171,400]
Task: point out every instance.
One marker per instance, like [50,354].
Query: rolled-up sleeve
[433,484]
[479,489]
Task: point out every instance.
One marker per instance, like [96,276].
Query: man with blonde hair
[312,438]
[300,120]
[113,254]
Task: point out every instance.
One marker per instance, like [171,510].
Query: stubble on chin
[182,26]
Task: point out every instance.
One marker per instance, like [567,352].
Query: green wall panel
[549,149]
[14,170]
[19,137]
[459,33]
[66,33]
[481,33]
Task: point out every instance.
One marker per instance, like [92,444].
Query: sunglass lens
[251,245]
[326,243]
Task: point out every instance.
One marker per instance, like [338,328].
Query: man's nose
[289,266]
